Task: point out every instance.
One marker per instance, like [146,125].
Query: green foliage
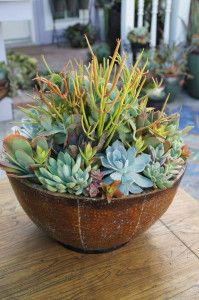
[21,69]
[101,51]
[167,61]
[158,175]
[75,35]
[91,121]
[165,165]
[23,157]
[64,174]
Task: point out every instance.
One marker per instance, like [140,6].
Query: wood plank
[156,265]
[182,219]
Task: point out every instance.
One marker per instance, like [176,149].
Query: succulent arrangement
[91,133]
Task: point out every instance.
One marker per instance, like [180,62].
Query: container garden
[139,38]
[193,70]
[91,164]
[92,225]
[75,35]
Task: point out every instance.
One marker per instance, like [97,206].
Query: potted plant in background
[17,73]
[101,50]
[172,62]
[139,39]
[91,160]
[75,35]
[193,57]
[156,94]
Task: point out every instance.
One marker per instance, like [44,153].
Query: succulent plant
[164,167]
[158,176]
[22,157]
[64,174]
[112,190]
[158,154]
[123,165]
[96,179]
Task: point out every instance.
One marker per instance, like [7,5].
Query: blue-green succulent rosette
[127,167]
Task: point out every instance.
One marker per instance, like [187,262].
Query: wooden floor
[163,263]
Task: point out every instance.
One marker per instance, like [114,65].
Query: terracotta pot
[92,225]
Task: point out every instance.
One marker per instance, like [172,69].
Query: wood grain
[163,263]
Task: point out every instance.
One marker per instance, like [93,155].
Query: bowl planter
[193,70]
[99,165]
[92,225]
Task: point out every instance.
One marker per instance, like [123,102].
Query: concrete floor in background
[57,57]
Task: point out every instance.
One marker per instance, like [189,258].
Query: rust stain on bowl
[92,225]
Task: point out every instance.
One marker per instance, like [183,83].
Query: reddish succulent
[96,178]
[111,190]
[185,151]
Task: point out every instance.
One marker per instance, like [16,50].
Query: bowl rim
[67,196]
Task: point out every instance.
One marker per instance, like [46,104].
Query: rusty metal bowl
[92,225]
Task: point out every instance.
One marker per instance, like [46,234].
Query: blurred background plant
[139,35]
[101,51]
[18,72]
[75,35]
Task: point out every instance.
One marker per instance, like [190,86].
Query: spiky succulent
[123,165]
[64,174]
[23,157]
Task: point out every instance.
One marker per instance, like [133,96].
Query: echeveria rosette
[124,166]
[64,174]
